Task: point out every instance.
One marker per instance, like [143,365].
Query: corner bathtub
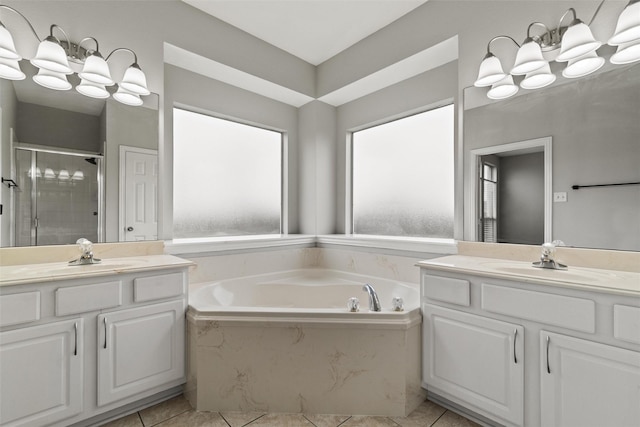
[286,342]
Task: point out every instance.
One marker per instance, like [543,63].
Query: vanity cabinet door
[41,373]
[474,360]
[584,383]
[139,349]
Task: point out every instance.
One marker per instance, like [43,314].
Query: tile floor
[177,412]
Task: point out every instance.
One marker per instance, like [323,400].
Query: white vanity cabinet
[139,349]
[41,369]
[520,351]
[579,376]
[476,359]
[78,347]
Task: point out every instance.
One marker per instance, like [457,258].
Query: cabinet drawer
[81,299]
[445,289]
[626,323]
[158,287]
[567,312]
[19,308]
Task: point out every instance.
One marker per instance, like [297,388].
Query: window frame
[284,177]
[349,212]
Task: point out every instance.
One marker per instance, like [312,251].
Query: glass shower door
[60,198]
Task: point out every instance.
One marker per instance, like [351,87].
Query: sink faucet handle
[548,249]
[85,246]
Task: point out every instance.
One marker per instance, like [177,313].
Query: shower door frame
[34,148]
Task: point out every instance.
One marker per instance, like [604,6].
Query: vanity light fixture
[57,58]
[573,44]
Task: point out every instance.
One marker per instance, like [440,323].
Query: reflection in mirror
[53,132]
[58,198]
[595,129]
[513,192]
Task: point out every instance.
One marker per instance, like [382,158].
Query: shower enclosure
[59,197]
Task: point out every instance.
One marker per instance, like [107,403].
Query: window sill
[217,245]
[408,245]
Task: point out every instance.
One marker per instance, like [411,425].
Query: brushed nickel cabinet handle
[75,343]
[515,338]
[105,332]
[548,343]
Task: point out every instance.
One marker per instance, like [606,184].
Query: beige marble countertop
[593,279]
[11,275]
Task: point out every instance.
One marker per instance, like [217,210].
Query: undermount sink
[574,274]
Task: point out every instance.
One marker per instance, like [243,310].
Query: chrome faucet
[374,302]
[86,253]
[546,259]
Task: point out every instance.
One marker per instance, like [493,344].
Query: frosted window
[403,176]
[227,177]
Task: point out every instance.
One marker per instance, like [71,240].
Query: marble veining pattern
[177,412]
[256,366]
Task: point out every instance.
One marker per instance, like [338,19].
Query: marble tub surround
[220,267]
[576,257]
[594,279]
[65,253]
[310,368]
[11,275]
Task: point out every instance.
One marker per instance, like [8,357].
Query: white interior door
[139,194]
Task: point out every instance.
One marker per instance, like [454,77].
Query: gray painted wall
[179,24]
[58,128]
[521,199]
[124,125]
[8,107]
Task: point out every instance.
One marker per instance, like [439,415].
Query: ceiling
[313,30]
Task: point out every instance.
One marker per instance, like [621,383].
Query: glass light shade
[582,66]
[503,89]
[628,27]
[135,81]
[529,58]
[64,174]
[38,173]
[128,98]
[92,90]
[539,78]
[52,80]
[490,71]
[10,69]
[51,56]
[576,42]
[7,47]
[49,173]
[77,176]
[96,70]
[626,53]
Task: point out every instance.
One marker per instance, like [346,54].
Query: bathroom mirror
[78,147]
[593,123]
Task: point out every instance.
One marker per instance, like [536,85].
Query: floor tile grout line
[140,418]
[348,418]
[224,419]
[254,420]
[438,419]
[166,419]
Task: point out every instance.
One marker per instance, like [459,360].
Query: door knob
[129,228]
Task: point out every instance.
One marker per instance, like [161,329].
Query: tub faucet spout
[374,302]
